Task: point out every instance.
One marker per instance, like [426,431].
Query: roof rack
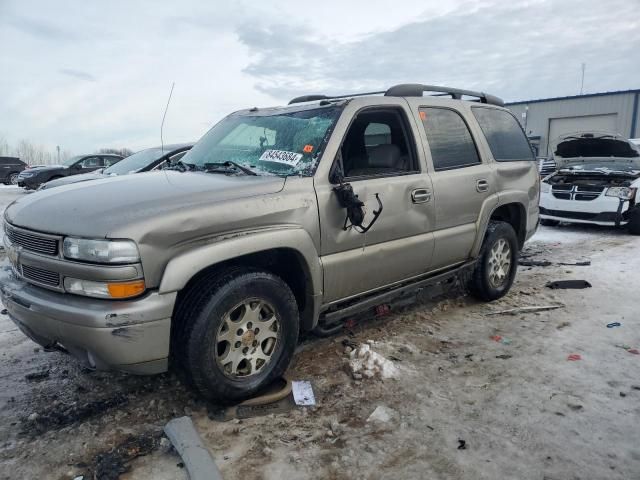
[412,90]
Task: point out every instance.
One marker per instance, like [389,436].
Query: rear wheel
[634,221]
[13,179]
[549,223]
[236,333]
[497,264]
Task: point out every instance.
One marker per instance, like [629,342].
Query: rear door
[380,159]
[462,182]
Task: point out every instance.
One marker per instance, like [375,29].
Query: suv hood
[95,209]
[593,150]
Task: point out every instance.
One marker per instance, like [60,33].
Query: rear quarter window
[505,136]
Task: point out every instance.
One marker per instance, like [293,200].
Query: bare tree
[125,152]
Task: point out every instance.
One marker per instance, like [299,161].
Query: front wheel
[497,264]
[13,179]
[236,334]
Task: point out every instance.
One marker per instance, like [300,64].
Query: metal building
[546,119]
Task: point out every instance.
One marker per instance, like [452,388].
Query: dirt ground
[462,405]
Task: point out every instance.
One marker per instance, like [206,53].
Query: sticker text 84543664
[281,156]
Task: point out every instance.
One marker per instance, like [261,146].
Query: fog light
[102,289]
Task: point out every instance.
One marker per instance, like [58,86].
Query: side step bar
[330,322]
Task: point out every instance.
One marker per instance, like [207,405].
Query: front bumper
[607,211]
[30,183]
[131,336]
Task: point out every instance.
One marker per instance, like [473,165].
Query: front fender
[183,267]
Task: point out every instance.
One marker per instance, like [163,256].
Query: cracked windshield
[288,143]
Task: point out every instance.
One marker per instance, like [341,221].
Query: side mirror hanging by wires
[355,207]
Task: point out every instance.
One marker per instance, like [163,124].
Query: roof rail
[311,98]
[417,90]
[411,90]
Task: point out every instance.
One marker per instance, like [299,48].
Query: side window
[378,143]
[507,141]
[377,134]
[108,161]
[449,139]
[91,162]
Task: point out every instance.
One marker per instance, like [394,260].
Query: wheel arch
[290,254]
[513,213]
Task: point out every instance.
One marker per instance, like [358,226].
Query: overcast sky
[85,75]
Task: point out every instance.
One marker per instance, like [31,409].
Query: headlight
[100,251]
[624,193]
[104,290]
[545,187]
[25,174]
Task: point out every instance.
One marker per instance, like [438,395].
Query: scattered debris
[188,444]
[568,284]
[574,357]
[629,349]
[501,339]
[515,311]
[276,398]
[462,444]
[503,357]
[381,414]
[303,393]
[614,324]
[37,376]
[62,415]
[112,464]
[563,325]
[574,407]
[368,363]
[622,394]
[535,263]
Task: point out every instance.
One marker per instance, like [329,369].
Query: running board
[327,320]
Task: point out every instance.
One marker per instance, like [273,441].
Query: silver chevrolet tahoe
[278,220]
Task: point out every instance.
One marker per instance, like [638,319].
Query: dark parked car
[10,167]
[34,177]
[155,158]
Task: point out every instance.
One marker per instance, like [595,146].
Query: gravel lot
[460,404]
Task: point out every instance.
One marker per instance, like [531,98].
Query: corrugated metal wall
[541,113]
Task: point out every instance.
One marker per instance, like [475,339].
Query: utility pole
[584,65]
[58,149]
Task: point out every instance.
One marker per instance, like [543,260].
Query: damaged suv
[278,220]
[596,181]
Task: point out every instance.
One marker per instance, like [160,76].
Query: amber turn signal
[124,290]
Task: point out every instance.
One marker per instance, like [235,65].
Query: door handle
[420,195]
[482,185]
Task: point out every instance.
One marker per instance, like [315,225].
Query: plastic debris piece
[189,446]
[614,324]
[573,357]
[568,284]
[501,339]
[303,393]
[635,351]
[515,311]
[462,444]
[496,338]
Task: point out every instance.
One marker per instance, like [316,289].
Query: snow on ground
[462,407]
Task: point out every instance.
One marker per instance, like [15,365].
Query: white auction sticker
[303,393]
[281,156]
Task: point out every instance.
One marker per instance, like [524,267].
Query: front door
[380,160]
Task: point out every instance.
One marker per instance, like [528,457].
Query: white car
[597,181]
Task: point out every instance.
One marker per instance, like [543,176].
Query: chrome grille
[32,241]
[40,275]
[576,192]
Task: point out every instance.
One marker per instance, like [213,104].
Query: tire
[634,221]
[13,179]
[213,324]
[549,223]
[490,283]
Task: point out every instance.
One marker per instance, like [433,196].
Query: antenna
[173,84]
[584,66]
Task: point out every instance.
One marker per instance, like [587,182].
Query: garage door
[600,123]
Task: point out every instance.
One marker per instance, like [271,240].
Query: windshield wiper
[183,167]
[212,167]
